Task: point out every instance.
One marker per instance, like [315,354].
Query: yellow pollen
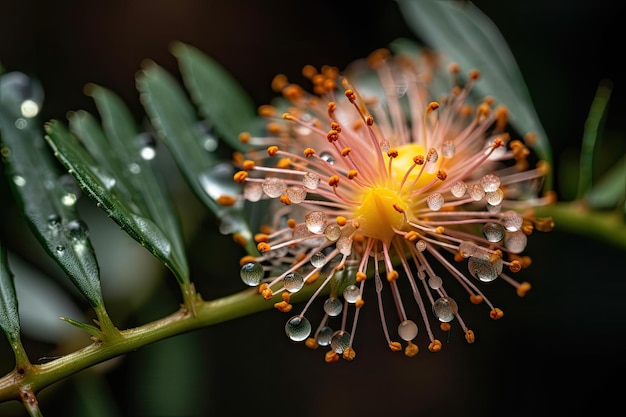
[377,216]
[404,158]
[311,343]
[226,200]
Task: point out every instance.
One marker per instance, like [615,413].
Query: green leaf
[9,317]
[219,97]
[45,196]
[174,118]
[610,190]
[101,186]
[470,38]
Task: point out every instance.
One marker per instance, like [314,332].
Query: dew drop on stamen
[515,242]
[332,232]
[490,182]
[421,245]
[340,341]
[324,336]
[251,273]
[326,156]
[351,293]
[431,164]
[494,209]
[298,328]
[344,245]
[483,269]
[444,309]
[494,197]
[493,232]
[293,281]
[458,188]
[435,282]
[448,149]
[407,330]
[253,191]
[296,194]
[384,145]
[476,192]
[333,306]
[435,201]
[273,187]
[512,221]
[467,249]
[318,259]
[311,180]
[315,221]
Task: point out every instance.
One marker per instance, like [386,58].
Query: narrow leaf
[9,317]
[45,198]
[468,37]
[173,117]
[610,190]
[220,98]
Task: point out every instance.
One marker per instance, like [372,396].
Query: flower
[377,186]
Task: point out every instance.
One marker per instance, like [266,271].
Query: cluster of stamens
[374,190]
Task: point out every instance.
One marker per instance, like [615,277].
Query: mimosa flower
[373,190]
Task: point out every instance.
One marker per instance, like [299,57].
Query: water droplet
[71,190]
[512,220]
[384,145]
[493,232]
[494,198]
[333,306]
[218,181]
[431,163]
[476,192]
[298,328]
[344,245]
[54,222]
[378,282]
[490,182]
[134,168]
[493,209]
[77,230]
[146,145]
[435,282]
[311,180]
[448,149]
[296,194]
[273,187]
[458,188]
[20,88]
[516,241]
[444,309]
[467,248]
[483,269]
[340,341]
[421,245]
[293,282]
[407,330]
[29,108]
[60,249]
[435,201]
[324,336]
[318,260]
[351,293]
[107,180]
[326,156]
[19,180]
[252,191]
[21,123]
[252,273]
[315,221]
[332,232]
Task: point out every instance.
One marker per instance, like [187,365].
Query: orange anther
[240,176]
[272,150]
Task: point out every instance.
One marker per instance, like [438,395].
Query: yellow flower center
[377,215]
[404,161]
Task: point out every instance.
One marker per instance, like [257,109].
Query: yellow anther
[261,237]
[458,257]
[335,126]
[434,346]
[445,327]
[283,306]
[309,152]
[244,137]
[497,143]
[240,177]
[476,299]
[311,343]
[501,114]
[239,239]
[544,224]
[286,296]
[311,279]
[474,74]
[291,223]
[272,150]
[263,247]
[359,302]
[469,336]
[483,110]
[267,293]
[412,236]
[454,68]
[309,71]
[515,265]
[392,153]
[496,314]
[332,135]
[378,57]
[265,228]
[418,160]
[442,175]
[246,259]
[350,95]
[395,346]
[352,174]
[392,275]
[361,276]
[248,164]
[523,288]
[369,120]
[341,221]
[331,356]
[279,82]
[285,200]
[226,200]
[439,230]
[273,128]
[287,116]
[266,110]
[432,106]
[411,349]
[346,151]
[348,354]
[332,106]
[333,181]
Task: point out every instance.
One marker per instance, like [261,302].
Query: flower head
[372,189]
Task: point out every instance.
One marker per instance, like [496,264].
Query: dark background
[558,350]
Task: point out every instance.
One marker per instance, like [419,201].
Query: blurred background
[559,349]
